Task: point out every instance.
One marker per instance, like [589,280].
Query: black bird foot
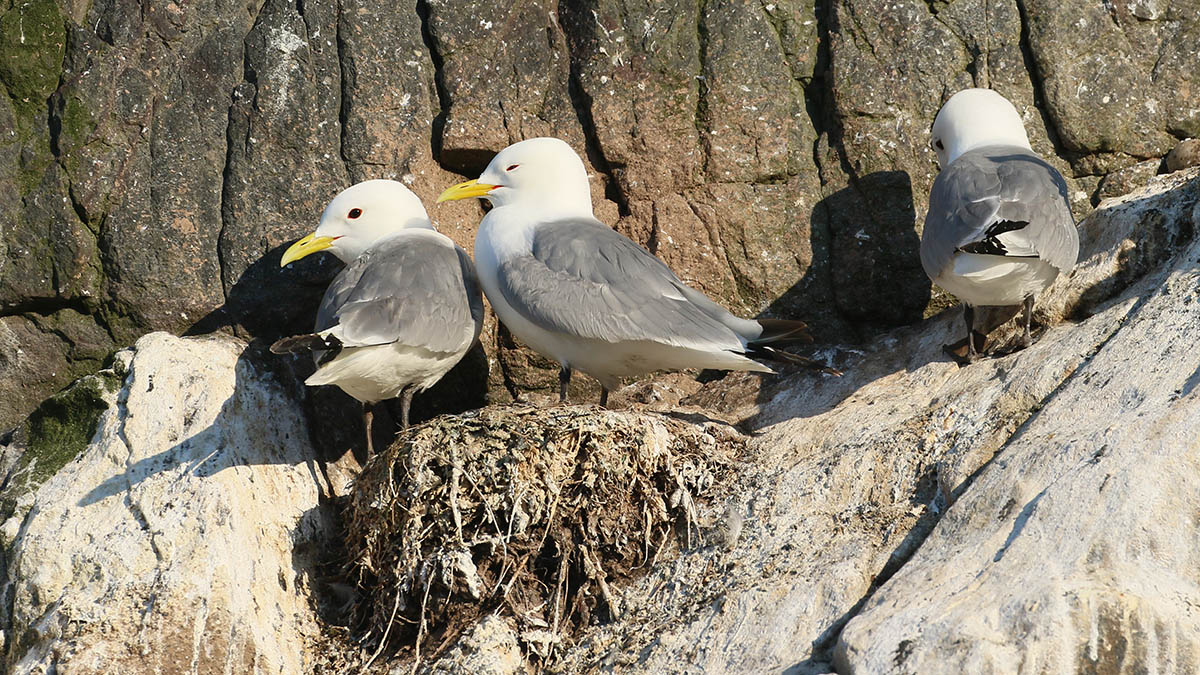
[962,355]
[1015,345]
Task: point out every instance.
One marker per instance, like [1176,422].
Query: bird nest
[537,514]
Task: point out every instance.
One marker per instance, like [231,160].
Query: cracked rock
[185,523]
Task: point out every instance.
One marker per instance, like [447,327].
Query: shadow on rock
[334,424]
[866,278]
[866,274]
[209,451]
[268,302]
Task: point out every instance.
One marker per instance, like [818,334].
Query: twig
[560,593]
[421,628]
[496,525]
[646,539]
[382,640]
[455,472]
[592,561]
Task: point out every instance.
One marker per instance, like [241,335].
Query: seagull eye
[354,213]
[512,167]
[939,145]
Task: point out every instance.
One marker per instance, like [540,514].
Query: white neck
[971,139]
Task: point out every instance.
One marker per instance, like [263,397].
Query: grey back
[409,289]
[993,184]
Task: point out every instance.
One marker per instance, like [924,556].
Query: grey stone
[1184,155]
[1102,97]
[852,477]
[1074,550]
[1127,180]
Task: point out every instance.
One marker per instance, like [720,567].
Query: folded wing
[413,289]
[999,201]
[584,279]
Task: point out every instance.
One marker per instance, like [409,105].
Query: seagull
[999,228]
[579,292]
[404,310]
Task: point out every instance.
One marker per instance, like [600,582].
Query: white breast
[379,372]
[501,239]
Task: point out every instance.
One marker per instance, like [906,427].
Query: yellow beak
[471,188]
[310,244]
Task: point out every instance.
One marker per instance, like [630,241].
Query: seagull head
[359,216]
[974,118]
[541,173]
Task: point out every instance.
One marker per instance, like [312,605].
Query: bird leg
[971,351]
[368,415]
[564,379]
[603,396]
[1027,336]
[969,317]
[405,402]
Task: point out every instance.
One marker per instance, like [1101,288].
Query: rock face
[1077,495]
[908,517]
[186,525]
[1032,512]
[1017,483]
[155,158]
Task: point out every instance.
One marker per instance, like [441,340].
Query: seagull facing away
[405,309]
[999,228]
[577,291]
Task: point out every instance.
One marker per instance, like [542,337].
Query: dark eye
[354,213]
[512,166]
[939,145]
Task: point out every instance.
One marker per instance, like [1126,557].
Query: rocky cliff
[1029,513]
[183,503]
[156,156]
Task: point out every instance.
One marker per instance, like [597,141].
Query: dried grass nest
[533,513]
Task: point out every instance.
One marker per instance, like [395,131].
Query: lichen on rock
[539,514]
[57,431]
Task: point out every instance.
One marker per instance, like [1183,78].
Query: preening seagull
[406,308]
[577,291]
[999,228]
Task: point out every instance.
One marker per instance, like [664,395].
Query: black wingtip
[304,343]
[991,243]
[782,331]
[778,355]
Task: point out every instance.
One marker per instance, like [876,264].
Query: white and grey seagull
[999,228]
[579,292]
[403,312]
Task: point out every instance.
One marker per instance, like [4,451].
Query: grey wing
[584,279]
[471,287]
[998,201]
[408,289]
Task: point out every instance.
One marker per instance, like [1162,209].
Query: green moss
[63,425]
[36,156]
[33,39]
[76,122]
[60,429]
[118,317]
